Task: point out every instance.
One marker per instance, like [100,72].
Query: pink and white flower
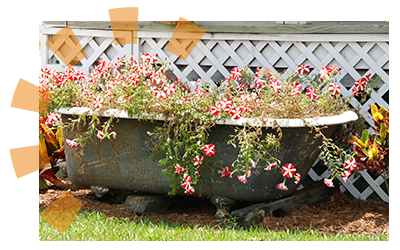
[303,69]
[325,72]
[360,84]
[311,93]
[288,170]
[209,149]
[328,182]
[296,92]
[226,104]
[235,112]
[270,166]
[100,134]
[333,69]
[52,117]
[275,85]
[334,88]
[242,178]
[114,134]
[346,175]
[282,186]
[259,84]
[98,102]
[189,190]
[169,88]
[214,110]
[226,172]
[297,178]
[186,181]
[236,74]
[198,160]
[178,169]
[350,164]
[71,144]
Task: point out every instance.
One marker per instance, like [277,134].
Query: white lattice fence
[216,54]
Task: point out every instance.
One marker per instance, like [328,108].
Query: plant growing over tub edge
[143,89]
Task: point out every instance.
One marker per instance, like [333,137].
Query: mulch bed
[338,214]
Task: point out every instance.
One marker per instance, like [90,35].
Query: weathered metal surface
[126,163]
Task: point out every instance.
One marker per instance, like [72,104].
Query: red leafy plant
[51,143]
[372,151]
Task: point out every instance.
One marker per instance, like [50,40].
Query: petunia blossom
[178,169]
[98,102]
[242,178]
[288,170]
[114,134]
[297,178]
[186,181]
[71,144]
[236,74]
[334,88]
[189,190]
[214,110]
[360,84]
[311,93]
[334,69]
[346,175]
[270,166]
[226,104]
[100,134]
[296,92]
[328,182]
[303,69]
[350,164]
[209,149]
[275,85]
[52,117]
[355,91]
[198,160]
[235,112]
[226,172]
[325,72]
[169,88]
[282,186]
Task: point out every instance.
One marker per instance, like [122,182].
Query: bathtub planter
[126,162]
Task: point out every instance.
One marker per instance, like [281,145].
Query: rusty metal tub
[126,163]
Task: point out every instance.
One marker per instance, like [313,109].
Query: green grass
[95,226]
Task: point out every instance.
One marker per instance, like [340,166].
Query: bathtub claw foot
[223,206]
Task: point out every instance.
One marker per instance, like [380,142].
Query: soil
[338,214]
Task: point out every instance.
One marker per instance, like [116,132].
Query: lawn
[97,227]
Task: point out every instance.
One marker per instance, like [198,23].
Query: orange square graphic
[66,46]
[25,96]
[25,160]
[61,212]
[124,24]
[185,38]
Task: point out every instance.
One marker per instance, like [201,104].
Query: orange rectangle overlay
[61,212]
[66,46]
[124,19]
[185,38]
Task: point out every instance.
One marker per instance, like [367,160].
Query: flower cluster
[142,87]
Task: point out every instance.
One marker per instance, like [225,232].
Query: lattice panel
[95,47]
[215,55]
